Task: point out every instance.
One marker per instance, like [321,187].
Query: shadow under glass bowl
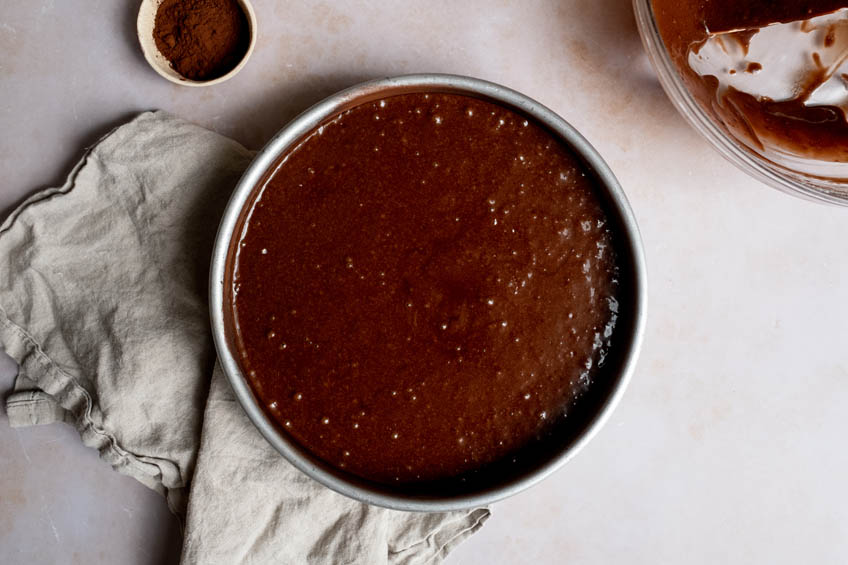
[777,176]
[536,461]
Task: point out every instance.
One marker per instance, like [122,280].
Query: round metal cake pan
[595,406]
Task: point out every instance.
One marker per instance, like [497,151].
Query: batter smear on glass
[423,286]
[772,73]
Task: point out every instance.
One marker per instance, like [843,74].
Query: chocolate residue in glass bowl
[771,73]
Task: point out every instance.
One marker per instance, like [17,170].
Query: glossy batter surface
[424,285]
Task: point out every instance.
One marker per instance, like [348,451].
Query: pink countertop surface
[729,444]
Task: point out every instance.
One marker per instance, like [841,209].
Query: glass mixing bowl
[785,178]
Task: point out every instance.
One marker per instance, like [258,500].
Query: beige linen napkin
[103,305]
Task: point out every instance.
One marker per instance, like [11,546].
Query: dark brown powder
[203,39]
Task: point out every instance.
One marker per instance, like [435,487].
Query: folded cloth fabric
[103,305]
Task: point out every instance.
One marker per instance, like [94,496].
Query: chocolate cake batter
[790,125]
[423,286]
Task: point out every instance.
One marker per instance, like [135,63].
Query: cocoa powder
[202,39]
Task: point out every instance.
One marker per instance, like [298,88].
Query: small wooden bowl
[144,25]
